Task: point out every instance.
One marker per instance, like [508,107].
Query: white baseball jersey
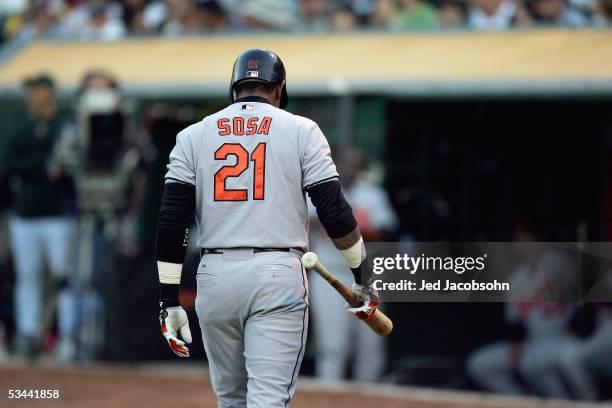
[251,164]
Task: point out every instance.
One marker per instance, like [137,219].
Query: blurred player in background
[6,309]
[538,325]
[593,351]
[338,336]
[42,227]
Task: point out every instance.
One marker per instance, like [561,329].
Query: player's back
[252,163]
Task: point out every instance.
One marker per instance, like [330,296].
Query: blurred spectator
[555,12]
[42,227]
[384,12]
[315,15]
[414,15]
[11,17]
[603,13]
[492,14]
[153,16]
[41,20]
[268,15]
[95,20]
[192,17]
[344,20]
[340,337]
[110,20]
[452,13]
[13,7]
[184,17]
[215,18]
[362,10]
[586,7]
[133,16]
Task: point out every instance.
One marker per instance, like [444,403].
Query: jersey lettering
[222,193]
[258,157]
[223,126]
[252,126]
[264,128]
[259,177]
[237,126]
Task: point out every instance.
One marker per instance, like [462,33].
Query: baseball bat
[379,322]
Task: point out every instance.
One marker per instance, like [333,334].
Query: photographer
[42,225]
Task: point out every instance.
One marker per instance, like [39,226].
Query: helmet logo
[253,64]
[252,74]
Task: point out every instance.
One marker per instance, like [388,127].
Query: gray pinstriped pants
[253,312]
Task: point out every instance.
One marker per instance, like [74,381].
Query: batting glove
[174,320]
[366,302]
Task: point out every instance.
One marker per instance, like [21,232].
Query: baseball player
[538,327]
[579,362]
[244,173]
[339,338]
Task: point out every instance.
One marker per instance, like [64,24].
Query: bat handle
[324,273]
[378,322]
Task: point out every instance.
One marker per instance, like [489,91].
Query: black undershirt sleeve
[175,217]
[336,216]
[334,212]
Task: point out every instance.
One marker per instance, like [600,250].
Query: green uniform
[26,159]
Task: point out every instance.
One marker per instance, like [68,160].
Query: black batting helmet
[259,65]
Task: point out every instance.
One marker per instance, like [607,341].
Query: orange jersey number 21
[258,157]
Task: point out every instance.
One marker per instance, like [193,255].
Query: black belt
[208,251]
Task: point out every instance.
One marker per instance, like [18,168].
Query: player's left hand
[366,301]
[174,320]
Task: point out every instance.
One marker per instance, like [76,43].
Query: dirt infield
[128,387]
